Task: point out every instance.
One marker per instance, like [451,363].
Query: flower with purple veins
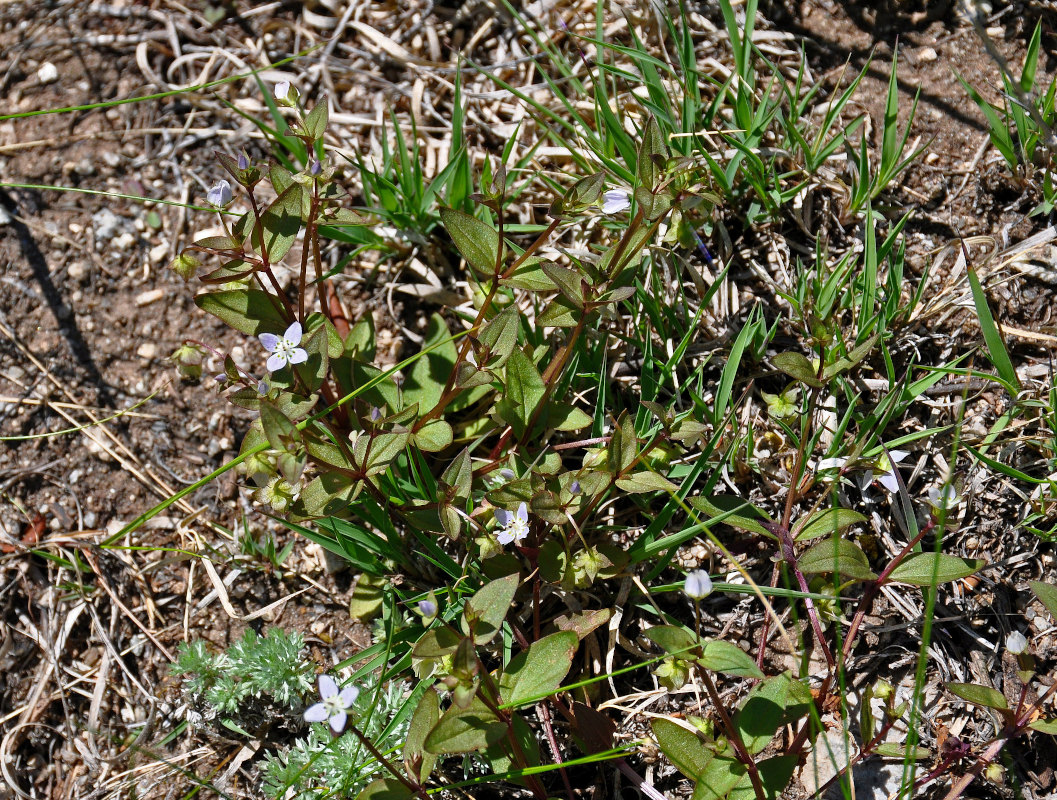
[284,349]
[884,471]
[615,200]
[219,194]
[513,526]
[334,704]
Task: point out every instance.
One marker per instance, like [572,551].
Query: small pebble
[158,253]
[48,73]
[926,55]
[124,241]
[148,297]
[77,271]
[147,350]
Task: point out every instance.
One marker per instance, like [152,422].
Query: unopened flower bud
[244,161]
[219,194]
[316,167]
[1016,643]
[882,690]
[698,585]
[427,608]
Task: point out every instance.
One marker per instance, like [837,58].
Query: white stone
[148,297]
[48,73]
[147,350]
[158,253]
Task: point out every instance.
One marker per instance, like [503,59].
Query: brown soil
[89,314]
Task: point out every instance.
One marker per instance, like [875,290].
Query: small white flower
[944,499]
[334,705]
[1017,643]
[513,526]
[284,349]
[616,200]
[282,90]
[219,194]
[884,472]
[698,585]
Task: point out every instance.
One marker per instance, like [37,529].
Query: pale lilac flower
[944,499]
[513,526]
[698,585]
[220,194]
[427,608]
[615,200]
[884,472]
[1016,643]
[282,90]
[284,349]
[334,705]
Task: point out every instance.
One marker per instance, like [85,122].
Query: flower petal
[269,340]
[349,694]
[505,536]
[866,480]
[895,456]
[503,517]
[297,356]
[889,481]
[337,722]
[275,362]
[522,512]
[293,333]
[615,200]
[328,687]
[316,713]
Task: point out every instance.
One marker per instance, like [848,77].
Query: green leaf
[830,521]
[842,556]
[566,417]
[523,392]
[683,747]
[653,205]
[979,695]
[477,241]
[797,366]
[1047,594]
[559,313]
[928,569]
[541,670]
[248,311]
[434,436]
[424,382]
[581,624]
[327,494]
[775,774]
[436,643]
[653,151]
[719,776]
[721,656]
[1045,726]
[485,611]
[677,641]
[996,348]
[458,475]
[416,760]
[646,481]
[316,119]
[499,335]
[568,282]
[772,704]
[366,601]
[385,789]
[465,731]
[623,444]
[281,221]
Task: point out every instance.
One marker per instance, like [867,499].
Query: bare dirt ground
[89,314]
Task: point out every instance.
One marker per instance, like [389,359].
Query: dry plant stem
[733,735]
